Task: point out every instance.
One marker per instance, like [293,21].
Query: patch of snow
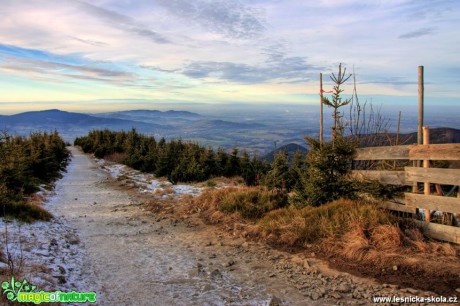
[187,189]
[148,183]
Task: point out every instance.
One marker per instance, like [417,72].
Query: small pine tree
[329,163]
[336,101]
[326,175]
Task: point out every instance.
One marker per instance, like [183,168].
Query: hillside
[437,135]
[290,149]
[152,116]
[70,124]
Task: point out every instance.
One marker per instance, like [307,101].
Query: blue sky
[77,54]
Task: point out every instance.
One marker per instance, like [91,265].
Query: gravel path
[134,257]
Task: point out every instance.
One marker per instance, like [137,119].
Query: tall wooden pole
[420,118]
[421,90]
[426,164]
[321,127]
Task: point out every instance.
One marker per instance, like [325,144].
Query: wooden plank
[385,177]
[433,175]
[440,232]
[444,204]
[397,207]
[445,151]
[383,153]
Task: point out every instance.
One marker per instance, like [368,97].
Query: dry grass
[247,202]
[387,237]
[118,158]
[297,227]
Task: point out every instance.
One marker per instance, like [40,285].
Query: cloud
[90,42]
[43,68]
[121,21]
[227,17]
[277,67]
[417,33]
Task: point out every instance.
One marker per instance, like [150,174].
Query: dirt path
[134,257]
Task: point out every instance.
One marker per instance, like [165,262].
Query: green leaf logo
[12,289]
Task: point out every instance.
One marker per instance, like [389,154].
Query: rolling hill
[70,124]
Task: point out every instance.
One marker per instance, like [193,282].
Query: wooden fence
[414,175]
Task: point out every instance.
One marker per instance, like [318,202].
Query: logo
[24,292]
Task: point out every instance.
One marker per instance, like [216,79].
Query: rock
[343,288]
[306,265]
[230,263]
[315,295]
[3,265]
[207,287]
[335,295]
[395,268]
[245,245]
[216,274]
[275,301]
[458,290]
[61,279]
[414,291]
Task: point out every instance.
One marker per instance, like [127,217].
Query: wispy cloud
[90,41]
[121,21]
[82,72]
[277,67]
[228,17]
[417,33]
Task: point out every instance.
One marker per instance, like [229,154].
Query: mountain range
[253,132]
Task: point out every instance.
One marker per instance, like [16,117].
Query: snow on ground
[146,182]
[50,255]
[46,254]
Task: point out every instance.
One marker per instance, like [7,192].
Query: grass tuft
[248,202]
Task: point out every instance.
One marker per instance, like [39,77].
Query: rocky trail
[132,256]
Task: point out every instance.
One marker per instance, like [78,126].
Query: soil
[135,254]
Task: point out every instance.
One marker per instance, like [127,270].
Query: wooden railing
[411,175]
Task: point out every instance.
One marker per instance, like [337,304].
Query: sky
[126,54]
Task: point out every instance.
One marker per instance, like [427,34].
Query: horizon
[74,55]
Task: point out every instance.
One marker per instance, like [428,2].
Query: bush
[27,163]
[327,168]
[297,227]
[249,203]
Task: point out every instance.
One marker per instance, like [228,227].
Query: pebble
[275,301]
[343,288]
[336,295]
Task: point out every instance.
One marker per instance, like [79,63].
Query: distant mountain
[290,149]
[224,125]
[437,135]
[70,124]
[146,115]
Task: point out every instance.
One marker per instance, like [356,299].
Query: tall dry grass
[247,202]
[297,227]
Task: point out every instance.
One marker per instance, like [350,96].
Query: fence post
[321,128]
[421,91]
[426,164]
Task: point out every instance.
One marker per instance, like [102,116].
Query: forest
[28,163]
[178,160]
